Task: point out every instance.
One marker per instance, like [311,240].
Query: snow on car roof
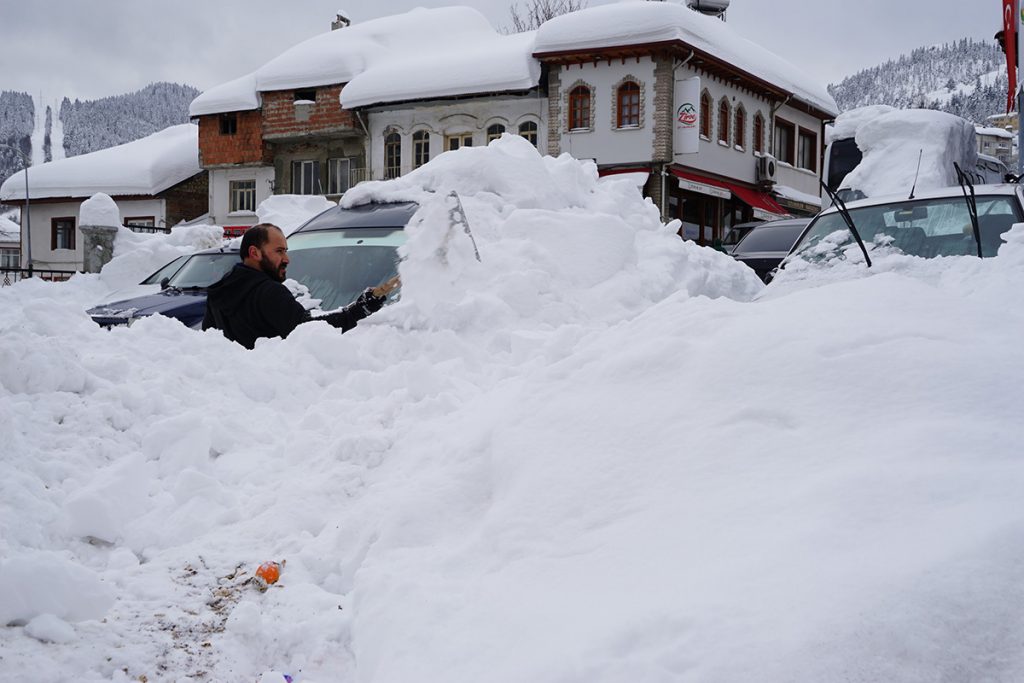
[935,193]
[637,23]
[144,167]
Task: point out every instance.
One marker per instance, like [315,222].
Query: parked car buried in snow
[764,247]
[182,290]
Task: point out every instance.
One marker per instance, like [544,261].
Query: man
[250,302]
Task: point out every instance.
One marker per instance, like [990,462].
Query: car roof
[1007,189]
[374,215]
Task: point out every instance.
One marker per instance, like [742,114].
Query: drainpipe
[664,166]
[369,146]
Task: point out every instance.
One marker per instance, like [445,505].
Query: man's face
[274,256]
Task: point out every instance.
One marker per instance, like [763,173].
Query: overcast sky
[105,47]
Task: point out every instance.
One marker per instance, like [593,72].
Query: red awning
[758,200]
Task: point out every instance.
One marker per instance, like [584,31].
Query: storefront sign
[694,186]
[686,123]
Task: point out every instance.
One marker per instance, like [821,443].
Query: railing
[148,229]
[8,276]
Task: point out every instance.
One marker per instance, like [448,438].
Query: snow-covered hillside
[599,454]
[966,78]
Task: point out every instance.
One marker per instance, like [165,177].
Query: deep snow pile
[564,462]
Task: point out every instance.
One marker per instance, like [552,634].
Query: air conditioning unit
[766,167]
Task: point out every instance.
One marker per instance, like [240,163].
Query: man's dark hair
[256,236]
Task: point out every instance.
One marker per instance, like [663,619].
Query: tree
[533,13]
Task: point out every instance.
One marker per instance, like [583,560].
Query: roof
[637,22]
[146,166]
[421,53]
[994,132]
[9,230]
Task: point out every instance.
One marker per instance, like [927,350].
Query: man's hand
[382,290]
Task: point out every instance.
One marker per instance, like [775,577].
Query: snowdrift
[596,454]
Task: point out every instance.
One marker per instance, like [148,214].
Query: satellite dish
[714,8]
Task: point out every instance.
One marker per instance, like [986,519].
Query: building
[727,130]
[156,182]
[996,142]
[10,244]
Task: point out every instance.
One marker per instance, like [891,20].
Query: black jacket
[246,304]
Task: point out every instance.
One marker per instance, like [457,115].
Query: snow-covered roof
[638,23]
[9,230]
[994,132]
[143,167]
[420,53]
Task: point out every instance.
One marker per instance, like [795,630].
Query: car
[340,252]
[764,247]
[929,225]
[737,233]
[178,290]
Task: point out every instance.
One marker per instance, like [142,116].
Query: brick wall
[245,146]
[554,110]
[283,118]
[664,87]
[188,199]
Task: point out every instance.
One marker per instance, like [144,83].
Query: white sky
[106,47]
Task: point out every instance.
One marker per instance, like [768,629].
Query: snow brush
[457,216]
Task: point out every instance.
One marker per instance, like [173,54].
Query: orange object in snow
[267,573]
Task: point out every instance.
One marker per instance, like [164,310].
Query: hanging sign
[686,118]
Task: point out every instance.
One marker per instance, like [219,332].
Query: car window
[337,265]
[167,271]
[771,238]
[202,270]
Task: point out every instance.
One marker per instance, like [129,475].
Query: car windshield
[733,237]
[926,228]
[202,270]
[167,271]
[771,238]
[337,265]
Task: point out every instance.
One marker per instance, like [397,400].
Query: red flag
[1010,43]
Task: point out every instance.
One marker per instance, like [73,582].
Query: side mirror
[165,283]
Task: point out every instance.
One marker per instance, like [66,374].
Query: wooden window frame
[53,232]
[789,155]
[724,120]
[298,178]
[805,134]
[392,155]
[705,115]
[758,133]
[495,131]
[460,140]
[10,258]
[580,104]
[530,130]
[627,98]
[228,124]
[739,127]
[140,221]
[236,193]
[420,148]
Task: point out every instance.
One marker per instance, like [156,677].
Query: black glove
[370,303]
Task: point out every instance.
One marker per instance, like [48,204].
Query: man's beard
[276,274]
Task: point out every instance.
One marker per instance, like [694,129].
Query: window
[228,124]
[420,148]
[338,174]
[242,195]
[141,221]
[528,129]
[305,177]
[305,95]
[10,258]
[62,233]
[758,133]
[579,108]
[739,136]
[628,99]
[392,155]
[807,150]
[724,111]
[784,134]
[494,131]
[452,142]
[705,115]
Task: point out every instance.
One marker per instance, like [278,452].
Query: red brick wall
[281,117]
[244,147]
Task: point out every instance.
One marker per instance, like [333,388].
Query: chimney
[341,20]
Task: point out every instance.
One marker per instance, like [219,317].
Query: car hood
[165,302]
[133,292]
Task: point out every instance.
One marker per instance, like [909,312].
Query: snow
[99,209]
[846,124]
[796,195]
[143,167]
[239,94]
[640,23]
[994,132]
[50,629]
[566,462]
[892,144]
[9,230]
[289,211]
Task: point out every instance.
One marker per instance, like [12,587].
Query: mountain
[78,127]
[966,78]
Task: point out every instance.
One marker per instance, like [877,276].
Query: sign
[686,119]
[703,188]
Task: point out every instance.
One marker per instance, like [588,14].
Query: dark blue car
[182,294]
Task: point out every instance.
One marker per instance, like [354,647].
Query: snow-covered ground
[598,454]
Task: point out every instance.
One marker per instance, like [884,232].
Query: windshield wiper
[972,206]
[841,208]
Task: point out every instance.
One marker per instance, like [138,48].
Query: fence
[148,229]
[8,276]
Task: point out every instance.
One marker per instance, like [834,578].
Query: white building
[156,182]
[10,244]
[996,142]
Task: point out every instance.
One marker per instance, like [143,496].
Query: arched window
[628,98]
[758,133]
[705,114]
[392,155]
[420,148]
[739,136]
[579,108]
[723,120]
[528,129]
[494,131]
